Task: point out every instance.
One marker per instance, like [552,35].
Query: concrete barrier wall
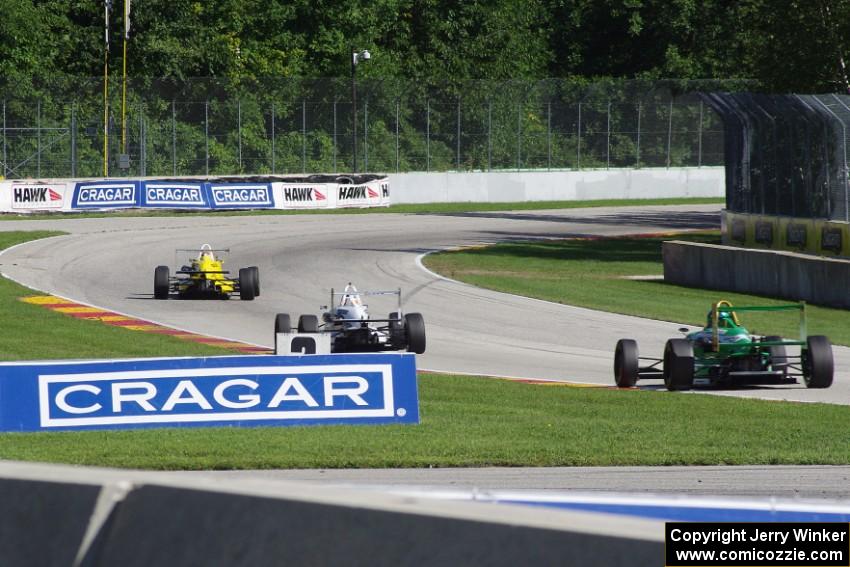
[149,518]
[518,186]
[787,275]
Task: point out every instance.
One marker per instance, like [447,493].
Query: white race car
[353,330]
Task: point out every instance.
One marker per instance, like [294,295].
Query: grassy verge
[479,422]
[427,208]
[464,421]
[593,273]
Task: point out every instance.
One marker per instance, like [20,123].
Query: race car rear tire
[256,272]
[818,364]
[626,363]
[396,330]
[308,324]
[247,284]
[160,282]
[678,365]
[414,326]
[282,323]
[778,355]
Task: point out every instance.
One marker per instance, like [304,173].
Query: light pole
[356,57]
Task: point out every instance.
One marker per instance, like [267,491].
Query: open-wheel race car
[725,354]
[352,329]
[205,277]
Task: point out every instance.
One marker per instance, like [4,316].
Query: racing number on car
[303,345]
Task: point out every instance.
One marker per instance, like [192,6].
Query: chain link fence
[214,127]
[786,154]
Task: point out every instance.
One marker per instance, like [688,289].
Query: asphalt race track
[109,262]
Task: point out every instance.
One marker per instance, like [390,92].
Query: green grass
[483,422]
[428,208]
[465,421]
[592,273]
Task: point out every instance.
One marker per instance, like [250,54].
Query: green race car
[725,354]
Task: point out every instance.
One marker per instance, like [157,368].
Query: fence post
[73,139]
[549,135]
[239,130]
[489,135]
[608,140]
[637,150]
[303,136]
[38,137]
[207,137]
[669,132]
[274,149]
[519,136]
[143,142]
[397,116]
[427,135]
[578,140]
[5,161]
[458,134]
[173,138]
[699,137]
[334,152]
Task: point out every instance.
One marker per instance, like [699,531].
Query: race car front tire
[678,365]
[626,363]
[308,324]
[414,326]
[161,278]
[818,364]
[247,284]
[282,323]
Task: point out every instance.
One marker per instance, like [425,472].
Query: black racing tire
[247,284]
[626,363]
[414,326]
[678,365]
[818,364]
[777,354]
[256,272]
[308,324]
[161,279]
[282,323]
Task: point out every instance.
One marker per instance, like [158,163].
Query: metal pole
[73,140]
[207,137]
[489,136]
[549,135]
[5,162]
[173,138]
[637,150]
[106,7]
[303,136]
[608,140]
[239,130]
[38,137]
[143,141]
[458,134]
[274,152]
[397,115]
[519,136]
[578,140]
[669,133]
[335,131]
[699,137]
[427,135]
[366,135]
[354,104]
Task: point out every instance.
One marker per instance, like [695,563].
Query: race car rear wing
[351,291]
[718,306]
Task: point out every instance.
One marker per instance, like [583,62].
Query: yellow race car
[205,277]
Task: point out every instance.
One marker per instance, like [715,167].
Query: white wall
[517,186]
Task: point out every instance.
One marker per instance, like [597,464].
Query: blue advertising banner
[174,195]
[241,196]
[240,391]
[106,195]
